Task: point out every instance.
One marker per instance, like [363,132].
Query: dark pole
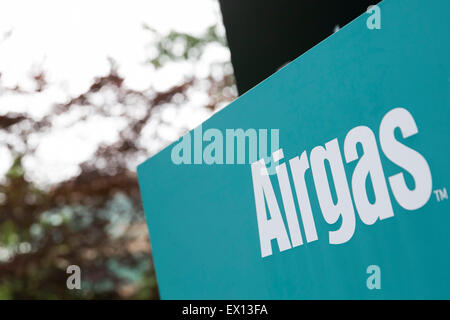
[263,35]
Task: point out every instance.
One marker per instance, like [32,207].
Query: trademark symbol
[441,194]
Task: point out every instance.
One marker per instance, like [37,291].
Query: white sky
[71,40]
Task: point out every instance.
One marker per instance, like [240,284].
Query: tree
[93,219]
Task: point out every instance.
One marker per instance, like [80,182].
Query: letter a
[213,152]
[272,228]
[368,165]
[181,152]
[374,281]
[74,281]
[374,21]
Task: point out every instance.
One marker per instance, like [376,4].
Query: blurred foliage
[180,46]
[93,219]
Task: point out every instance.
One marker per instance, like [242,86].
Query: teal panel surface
[392,84]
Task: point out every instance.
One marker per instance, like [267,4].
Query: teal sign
[326,181]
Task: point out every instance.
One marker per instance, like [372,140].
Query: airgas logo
[338,205]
